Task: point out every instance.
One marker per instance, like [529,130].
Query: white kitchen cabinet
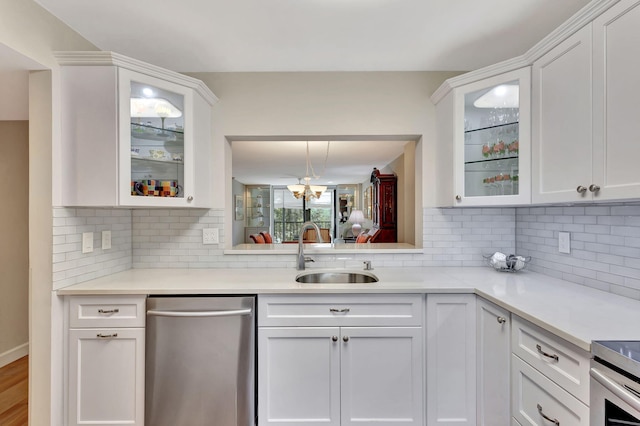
[345,374]
[560,361]
[585,94]
[487,124]
[562,132]
[616,90]
[106,363]
[299,375]
[451,359]
[538,401]
[132,134]
[493,372]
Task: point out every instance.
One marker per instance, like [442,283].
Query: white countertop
[576,313]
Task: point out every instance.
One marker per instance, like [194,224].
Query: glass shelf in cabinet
[157,160]
[496,126]
[493,160]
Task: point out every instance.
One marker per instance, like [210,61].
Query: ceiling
[315,35]
[347,162]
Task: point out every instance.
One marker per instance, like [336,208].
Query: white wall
[33,32]
[327,104]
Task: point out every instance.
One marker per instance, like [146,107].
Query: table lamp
[356,218]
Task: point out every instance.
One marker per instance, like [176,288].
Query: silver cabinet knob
[581,189]
[345,338]
[458,198]
[190,198]
[594,188]
[334,338]
[501,320]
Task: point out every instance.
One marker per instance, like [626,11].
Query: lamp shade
[356,218]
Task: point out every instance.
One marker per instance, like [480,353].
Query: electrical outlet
[210,236]
[87,242]
[106,240]
[564,242]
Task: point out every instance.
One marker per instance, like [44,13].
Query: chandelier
[307,190]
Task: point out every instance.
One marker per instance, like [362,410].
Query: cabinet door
[381,376]
[537,401]
[451,360]
[494,353]
[156,141]
[298,376]
[616,76]
[106,376]
[492,141]
[561,131]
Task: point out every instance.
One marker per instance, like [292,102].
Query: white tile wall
[461,237]
[70,265]
[172,238]
[605,244]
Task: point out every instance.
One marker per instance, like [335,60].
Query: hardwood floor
[14,393]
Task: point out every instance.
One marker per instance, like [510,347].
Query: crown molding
[583,17]
[104,58]
[479,74]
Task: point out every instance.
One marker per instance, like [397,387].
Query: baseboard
[14,354]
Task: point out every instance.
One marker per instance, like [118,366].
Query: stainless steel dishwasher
[200,361]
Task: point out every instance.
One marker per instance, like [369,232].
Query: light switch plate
[210,236]
[564,242]
[106,240]
[87,242]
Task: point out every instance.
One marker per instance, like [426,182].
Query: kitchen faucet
[301,258]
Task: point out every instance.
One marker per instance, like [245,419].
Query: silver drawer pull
[549,419]
[501,320]
[108,311]
[106,336]
[339,311]
[334,338]
[541,352]
[345,339]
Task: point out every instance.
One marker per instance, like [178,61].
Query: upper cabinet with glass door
[492,143]
[133,134]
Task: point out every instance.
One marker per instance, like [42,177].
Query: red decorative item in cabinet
[385,207]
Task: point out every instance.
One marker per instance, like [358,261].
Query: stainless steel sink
[336,277]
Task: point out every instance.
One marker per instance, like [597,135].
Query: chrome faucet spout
[300,258]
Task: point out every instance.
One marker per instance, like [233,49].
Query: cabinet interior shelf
[497,126]
[492,160]
[157,160]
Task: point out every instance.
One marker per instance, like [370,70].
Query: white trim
[14,354]
[585,15]
[99,58]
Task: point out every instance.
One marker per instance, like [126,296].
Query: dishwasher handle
[199,314]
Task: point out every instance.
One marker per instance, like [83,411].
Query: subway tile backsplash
[70,265]
[605,242]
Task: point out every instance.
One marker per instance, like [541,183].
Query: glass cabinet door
[495,141]
[153,149]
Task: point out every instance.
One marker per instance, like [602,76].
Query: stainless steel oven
[615,383]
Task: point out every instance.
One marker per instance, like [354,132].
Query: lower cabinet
[106,364]
[494,355]
[342,374]
[451,359]
[537,400]
[550,378]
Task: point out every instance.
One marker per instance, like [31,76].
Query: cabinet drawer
[535,396]
[106,311]
[339,310]
[559,360]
